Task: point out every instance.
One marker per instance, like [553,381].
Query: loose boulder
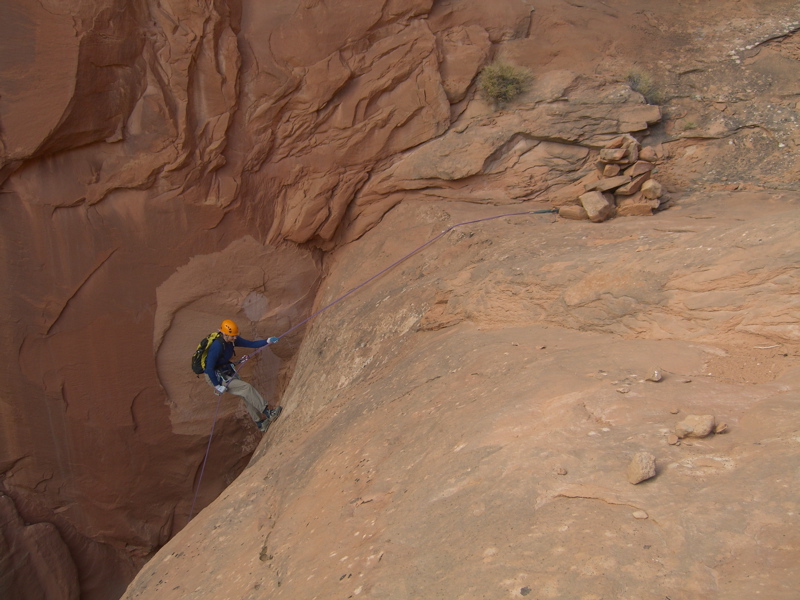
[598,206]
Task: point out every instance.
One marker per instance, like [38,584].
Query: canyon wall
[165,164]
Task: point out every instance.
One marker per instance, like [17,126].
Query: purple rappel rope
[205,459]
[393,265]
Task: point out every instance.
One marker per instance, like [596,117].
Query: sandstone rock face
[36,562]
[59,60]
[112,170]
[464,51]
[470,395]
[167,164]
[148,152]
[320,111]
[528,152]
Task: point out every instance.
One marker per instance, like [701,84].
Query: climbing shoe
[263,424]
[272,414]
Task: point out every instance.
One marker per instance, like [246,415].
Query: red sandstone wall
[148,152]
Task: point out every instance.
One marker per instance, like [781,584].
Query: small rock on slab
[695,426]
[613,154]
[639,168]
[655,375]
[642,467]
[612,183]
[651,189]
[648,153]
[597,206]
[573,212]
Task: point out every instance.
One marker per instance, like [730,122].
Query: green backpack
[199,356]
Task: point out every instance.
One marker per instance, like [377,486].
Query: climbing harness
[229,373]
[270,341]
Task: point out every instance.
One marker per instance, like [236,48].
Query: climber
[221,374]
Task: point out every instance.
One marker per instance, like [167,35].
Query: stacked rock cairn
[623,185]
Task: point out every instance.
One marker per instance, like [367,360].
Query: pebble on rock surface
[655,375]
[695,426]
[641,467]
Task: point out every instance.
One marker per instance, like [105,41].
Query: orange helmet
[228,327]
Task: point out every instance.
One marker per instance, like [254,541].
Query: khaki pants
[253,401]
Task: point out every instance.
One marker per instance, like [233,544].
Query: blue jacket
[220,353]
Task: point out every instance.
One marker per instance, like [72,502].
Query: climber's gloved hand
[221,389]
[273,340]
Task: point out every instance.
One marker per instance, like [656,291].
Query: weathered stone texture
[165,164]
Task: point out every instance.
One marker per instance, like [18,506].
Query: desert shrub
[642,82]
[502,82]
